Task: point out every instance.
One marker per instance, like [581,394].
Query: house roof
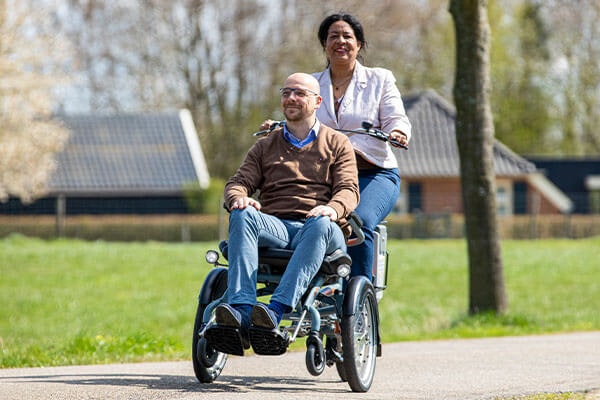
[433,149]
[129,154]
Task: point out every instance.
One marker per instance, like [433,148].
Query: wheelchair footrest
[268,342]
[225,339]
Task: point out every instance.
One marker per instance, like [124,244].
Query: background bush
[205,201]
[204,227]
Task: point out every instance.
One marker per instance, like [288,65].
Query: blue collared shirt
[312,135]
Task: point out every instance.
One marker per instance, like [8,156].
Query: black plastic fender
[355,287]
[314,338]
[214,277]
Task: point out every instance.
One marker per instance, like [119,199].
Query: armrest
[358,236]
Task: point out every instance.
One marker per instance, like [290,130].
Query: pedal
[268,342]
[225,339]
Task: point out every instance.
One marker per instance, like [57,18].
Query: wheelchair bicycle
[338,315]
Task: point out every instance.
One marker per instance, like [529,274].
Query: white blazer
[371,96]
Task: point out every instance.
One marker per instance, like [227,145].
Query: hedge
[193,227]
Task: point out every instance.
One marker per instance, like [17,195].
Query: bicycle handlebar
[367,129]
[271,128]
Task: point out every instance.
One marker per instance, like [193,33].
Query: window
[401,205]
[503,198]
[415,199]
[520,196]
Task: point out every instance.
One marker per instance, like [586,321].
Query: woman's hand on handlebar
[398,139]
[267,127]
[266,124]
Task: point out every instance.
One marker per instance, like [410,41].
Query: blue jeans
[379,191]
[250,229]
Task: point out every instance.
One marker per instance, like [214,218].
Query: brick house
[430,170]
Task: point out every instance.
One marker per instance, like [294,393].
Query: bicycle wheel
[208,363]
[359,334]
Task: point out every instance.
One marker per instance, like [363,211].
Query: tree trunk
[475,135]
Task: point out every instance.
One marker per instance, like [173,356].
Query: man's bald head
[304,81]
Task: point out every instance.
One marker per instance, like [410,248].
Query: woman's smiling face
[341,44]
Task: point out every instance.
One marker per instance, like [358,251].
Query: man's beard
[296,115]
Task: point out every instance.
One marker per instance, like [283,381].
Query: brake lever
[271,128]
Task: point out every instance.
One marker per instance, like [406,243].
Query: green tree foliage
[225,59]
[575,50]
[205,201]
[520,96]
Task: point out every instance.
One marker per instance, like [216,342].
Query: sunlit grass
[551,285]
[73,302]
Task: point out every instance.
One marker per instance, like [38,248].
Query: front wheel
[359,334]
[315,359]
[208,363]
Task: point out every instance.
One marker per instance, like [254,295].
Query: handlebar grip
[397,144]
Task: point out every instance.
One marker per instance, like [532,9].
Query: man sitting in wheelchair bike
[306,178]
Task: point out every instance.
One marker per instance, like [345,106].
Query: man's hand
[244,202]
[325,211]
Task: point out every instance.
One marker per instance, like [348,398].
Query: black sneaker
[228,316]
[263,317]
[265,337]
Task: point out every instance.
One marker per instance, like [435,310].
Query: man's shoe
[263,317]
[228,335]
[265,337]
[226,315]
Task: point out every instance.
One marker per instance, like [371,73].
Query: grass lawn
[71,302]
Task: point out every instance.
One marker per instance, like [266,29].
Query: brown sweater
[291,181]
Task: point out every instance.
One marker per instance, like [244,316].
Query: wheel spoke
[363,339]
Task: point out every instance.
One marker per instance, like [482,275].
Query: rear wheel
[333,354]
[208,363]
[359,334]
[341,370]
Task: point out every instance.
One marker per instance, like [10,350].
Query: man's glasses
[300,93]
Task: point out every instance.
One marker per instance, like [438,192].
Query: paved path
[436,370]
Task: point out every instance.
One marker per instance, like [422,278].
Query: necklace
[342,83]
